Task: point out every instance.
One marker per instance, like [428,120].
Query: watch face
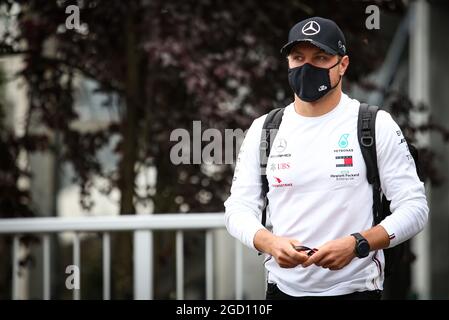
[363,248]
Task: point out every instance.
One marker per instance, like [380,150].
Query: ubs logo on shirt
[280,166]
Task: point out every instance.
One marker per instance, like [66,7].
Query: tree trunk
[123,267]
[129,123]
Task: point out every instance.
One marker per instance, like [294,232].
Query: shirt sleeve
[399,182]
[244,206]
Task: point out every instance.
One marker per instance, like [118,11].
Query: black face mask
[311,83]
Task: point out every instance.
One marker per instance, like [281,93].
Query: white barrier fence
[142,227]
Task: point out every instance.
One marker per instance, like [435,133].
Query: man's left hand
[333,255]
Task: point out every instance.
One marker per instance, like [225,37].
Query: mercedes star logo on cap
[311,28]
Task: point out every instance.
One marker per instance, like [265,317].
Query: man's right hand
[280,248]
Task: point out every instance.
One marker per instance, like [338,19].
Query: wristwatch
[362,247]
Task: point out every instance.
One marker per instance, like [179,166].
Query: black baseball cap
[321,32]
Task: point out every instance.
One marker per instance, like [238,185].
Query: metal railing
[142,227]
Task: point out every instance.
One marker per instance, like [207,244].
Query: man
[309,203]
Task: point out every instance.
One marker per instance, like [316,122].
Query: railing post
[46,266]
[179,265]
[15,267]
[143,266]
[77,264]
[238,270]
[106,266]
[209,265]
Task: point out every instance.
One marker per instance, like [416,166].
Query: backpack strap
[269,131]
[366,133]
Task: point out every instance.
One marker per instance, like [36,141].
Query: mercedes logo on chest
[281,145]
[311,28]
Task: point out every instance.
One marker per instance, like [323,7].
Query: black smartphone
[309,251]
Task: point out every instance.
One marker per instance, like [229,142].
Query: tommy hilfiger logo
[344,161]
[280,184]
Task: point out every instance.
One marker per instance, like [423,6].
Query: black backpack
[395,257]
